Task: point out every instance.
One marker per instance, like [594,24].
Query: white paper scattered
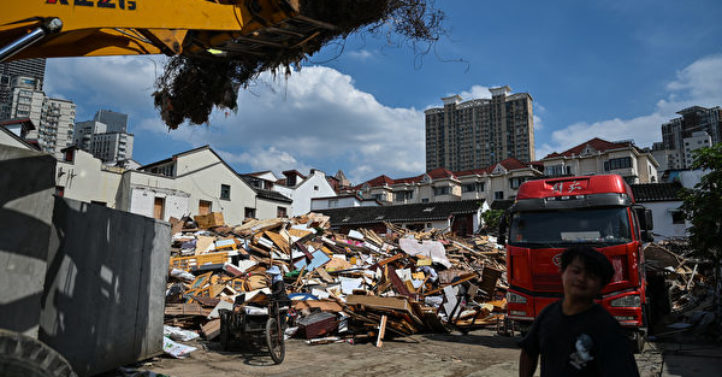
[176,333]
[221,305]
[177,350]
[349,284]
[183,275]
[355,235]
[431,249]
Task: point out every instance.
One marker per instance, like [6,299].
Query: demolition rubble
[690,289]
[340,287]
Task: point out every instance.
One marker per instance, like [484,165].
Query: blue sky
[613,69]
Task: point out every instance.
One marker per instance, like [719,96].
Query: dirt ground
[479,353]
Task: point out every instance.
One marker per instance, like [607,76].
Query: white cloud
[316,116]
[118,83]
[264,159]
[700,83]
[476,92]
[360,54]
[538,123]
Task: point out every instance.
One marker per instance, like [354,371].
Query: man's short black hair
[594,262]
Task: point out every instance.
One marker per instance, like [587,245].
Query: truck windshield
[607,226]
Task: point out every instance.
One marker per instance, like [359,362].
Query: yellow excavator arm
[211,28]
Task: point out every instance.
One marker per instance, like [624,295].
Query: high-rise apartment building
[116,122]
[681,136]
[54,119]
[108,142]
[480,132]
[32,68]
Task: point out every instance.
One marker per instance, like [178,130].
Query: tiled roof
[272,195]
[440,173]
[512,164]
[378,181]
[417,212]
[596,143]
[415,179]
[656,192]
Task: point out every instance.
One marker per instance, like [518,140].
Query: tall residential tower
[480,132]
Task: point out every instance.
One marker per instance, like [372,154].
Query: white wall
[201,174]
[314,186]
[342,202]
[689,178]
[142,201]
[6,139]
[268,209]
[662,216]
[86,179]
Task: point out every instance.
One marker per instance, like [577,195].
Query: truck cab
[550,215]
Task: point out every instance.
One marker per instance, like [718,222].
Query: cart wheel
[274,340]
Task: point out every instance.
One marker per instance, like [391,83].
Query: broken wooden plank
[382,331]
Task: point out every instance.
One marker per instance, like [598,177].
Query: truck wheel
[637,342]
[23,356]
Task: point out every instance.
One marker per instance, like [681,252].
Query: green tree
[703,205]
[491,220]
[703,208]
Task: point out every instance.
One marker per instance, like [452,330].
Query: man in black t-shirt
[575,336]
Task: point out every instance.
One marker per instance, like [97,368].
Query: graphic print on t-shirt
[583,355]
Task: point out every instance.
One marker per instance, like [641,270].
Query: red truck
[550,215]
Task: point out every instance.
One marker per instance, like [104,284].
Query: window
[104,204]
[618,163]
[281,212]
[442,190]
[425,200]
[333,203]
[608,226]
[379,197]
[517,181]
[403,195]
[473,187]
[677,217]
[558,170]
[315,188]
[249,213]
[499,195]
[226,192]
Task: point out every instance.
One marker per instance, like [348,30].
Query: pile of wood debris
[689,286]
[395,284]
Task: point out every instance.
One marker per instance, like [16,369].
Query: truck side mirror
[648,220]
[644,216]
[647,236]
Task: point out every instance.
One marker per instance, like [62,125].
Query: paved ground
[480,353]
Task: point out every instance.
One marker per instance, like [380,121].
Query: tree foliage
[192,86]
[491,220]
[703,204]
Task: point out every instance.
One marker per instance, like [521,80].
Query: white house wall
[85,179]
[662,216]
[341,202]
[142,201]
[268,209]
[306,191]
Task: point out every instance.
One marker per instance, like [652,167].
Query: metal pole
[6,52]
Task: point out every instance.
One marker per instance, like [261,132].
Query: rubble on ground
[342,287]
[689,283]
